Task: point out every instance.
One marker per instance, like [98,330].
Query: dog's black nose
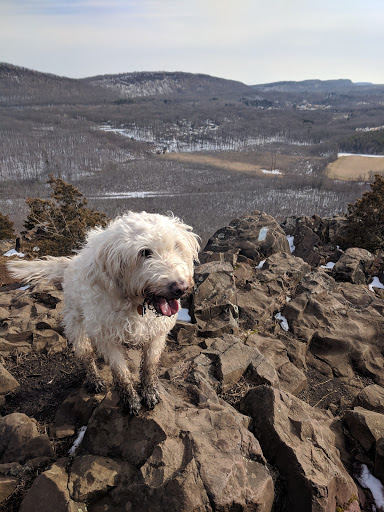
[178,288]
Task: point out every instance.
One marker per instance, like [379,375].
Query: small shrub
[366,218]
[60,224]
[7,229]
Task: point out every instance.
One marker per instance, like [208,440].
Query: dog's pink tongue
[168,308]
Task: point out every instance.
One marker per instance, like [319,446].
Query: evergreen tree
[7,229]
[61,223]
[366,218]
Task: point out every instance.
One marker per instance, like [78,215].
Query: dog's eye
[146,253]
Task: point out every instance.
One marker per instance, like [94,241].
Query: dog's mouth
[162,305]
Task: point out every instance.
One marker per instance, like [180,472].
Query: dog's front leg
[149,379]
[122,379]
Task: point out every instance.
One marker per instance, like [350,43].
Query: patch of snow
[263,234]
[77,441]
[368,481]
[260,265]
[330,264]
[13,252]
[183,315]
[291,239]
[283,321]
[288,298]
[24,287]
[274,171]
[376,283]
[359,154]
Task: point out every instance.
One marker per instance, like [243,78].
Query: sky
[251,41]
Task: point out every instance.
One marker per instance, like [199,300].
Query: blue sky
[248,40]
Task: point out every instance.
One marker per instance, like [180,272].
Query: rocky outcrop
[294,347]
[297,439]
[255,236]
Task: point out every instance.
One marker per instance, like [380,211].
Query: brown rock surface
[296,438]
[179,448]
[254,236]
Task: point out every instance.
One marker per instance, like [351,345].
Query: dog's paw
[130,402]
[95,385]
[151,396]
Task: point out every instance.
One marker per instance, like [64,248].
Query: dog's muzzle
[168,304]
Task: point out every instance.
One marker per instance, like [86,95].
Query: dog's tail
[49,268]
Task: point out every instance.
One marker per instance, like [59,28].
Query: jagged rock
[189,457]
[255,236]
[342,324]
[48,341]
[261,292]
[379,459]
[20,439]
[7,487]
[8,383]
[19,347]
[290,378]
[75,410]
[296,438]
[215,299]
[371,398]
[4,314]
[92,476]
[352,266]
[186,333]
[50,491]
[307,245]
[367,427]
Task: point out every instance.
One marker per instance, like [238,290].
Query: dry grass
[221,162]
[355,168]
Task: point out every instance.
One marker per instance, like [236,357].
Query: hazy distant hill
[313,86]
[22,86]
[167,83]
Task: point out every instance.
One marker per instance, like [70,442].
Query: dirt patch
[214,161]
[45,381]
[355,168]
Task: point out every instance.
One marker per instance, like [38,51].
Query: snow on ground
[376,283]
[291,244]
[183,315]
[260,265]
[368,481]
[77,441]
[359,154]
[274,171]
[13,252]
[330,265]
[283,321]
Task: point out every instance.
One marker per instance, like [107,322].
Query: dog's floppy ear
[189,240]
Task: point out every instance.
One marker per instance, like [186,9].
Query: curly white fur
[139,259]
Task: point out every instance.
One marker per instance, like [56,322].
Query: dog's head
[145,258]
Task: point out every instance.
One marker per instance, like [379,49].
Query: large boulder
[215,300]
[20,439]
[353,266]
[342,324]
[50,491]
[182,456]
[297,439]
[367,427]
[254,236]
[261,292]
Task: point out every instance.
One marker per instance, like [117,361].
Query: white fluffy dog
[122,288]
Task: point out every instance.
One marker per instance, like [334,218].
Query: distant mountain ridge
[312,85]
[148,83]
[23,86]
